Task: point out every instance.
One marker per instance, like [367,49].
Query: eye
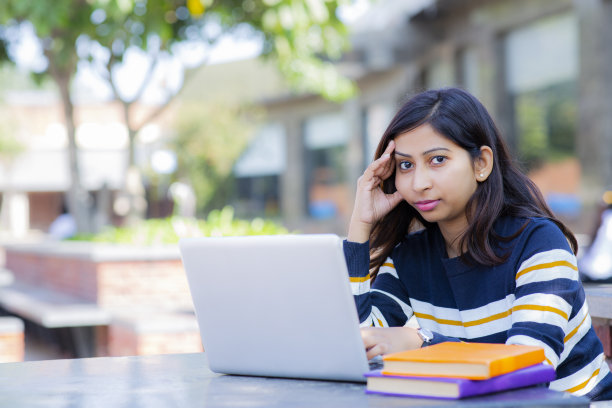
[405,165]
[438,159]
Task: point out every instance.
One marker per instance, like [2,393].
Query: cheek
[400,185]
[457,179]
[404,191]
[462,187]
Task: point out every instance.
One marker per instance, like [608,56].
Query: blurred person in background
[596,264]
[64,226]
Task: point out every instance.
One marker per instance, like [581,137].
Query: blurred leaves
[208,140]
[10,147]
[546,121]
[3,51]
[218,223]
[304,36]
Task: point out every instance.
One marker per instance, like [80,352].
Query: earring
[481,175]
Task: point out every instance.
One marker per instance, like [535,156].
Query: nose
[421,179]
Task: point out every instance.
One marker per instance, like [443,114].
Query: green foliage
[302,35]
[169,230]
[119,24]
[208,140]
[10,147]
[58,24]
[3,51]
[562,116]
[532,129]
[546,121]
[298,34]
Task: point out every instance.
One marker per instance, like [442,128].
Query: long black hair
[460,117]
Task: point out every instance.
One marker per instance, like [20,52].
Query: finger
[390,147]
[380,165]
[371,175]
[394,199]
[389,168]
[368,336]
[388,165]
[368,181]
[377,350]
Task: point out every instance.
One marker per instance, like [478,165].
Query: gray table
[183,380]
[599,298]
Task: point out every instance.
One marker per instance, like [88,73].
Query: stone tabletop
[183,380]
[599,298]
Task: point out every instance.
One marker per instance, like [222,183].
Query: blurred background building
[542,68]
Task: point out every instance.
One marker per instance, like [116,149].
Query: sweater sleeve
[383,303]
[549,308]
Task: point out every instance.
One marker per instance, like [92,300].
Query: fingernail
[386,155]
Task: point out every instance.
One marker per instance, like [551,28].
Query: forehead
[422,139]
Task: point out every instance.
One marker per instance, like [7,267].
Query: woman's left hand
[384,340]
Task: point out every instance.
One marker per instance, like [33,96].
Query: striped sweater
[533,298]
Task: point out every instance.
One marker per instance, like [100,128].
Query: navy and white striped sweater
[533,298]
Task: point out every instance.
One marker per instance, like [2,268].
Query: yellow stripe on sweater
[435,319]
[464,324]
[584,384]
[542,309]
[491,318]
[571,334]
[545,266]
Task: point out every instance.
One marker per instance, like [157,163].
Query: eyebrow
[425,153]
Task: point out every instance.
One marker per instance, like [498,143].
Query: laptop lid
[276,306]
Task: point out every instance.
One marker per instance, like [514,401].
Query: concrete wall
[144,290]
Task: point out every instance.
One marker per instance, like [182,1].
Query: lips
[426,205]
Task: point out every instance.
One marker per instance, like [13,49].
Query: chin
[430,217]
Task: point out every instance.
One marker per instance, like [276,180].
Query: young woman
[447,229]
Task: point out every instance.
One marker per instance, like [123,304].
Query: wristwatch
[426,335]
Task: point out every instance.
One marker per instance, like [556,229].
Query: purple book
[453,388]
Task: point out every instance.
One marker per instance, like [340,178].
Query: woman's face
[435,176]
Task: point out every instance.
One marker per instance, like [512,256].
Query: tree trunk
[77,196]
[131,134]
[134,187]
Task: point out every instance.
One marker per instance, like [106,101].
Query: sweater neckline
[452,266]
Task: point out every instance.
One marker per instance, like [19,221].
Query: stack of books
[456,370]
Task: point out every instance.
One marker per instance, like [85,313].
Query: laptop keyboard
[376,363]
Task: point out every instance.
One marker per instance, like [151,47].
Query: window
[439,74]
[325,142]
[258,196]
[378,117]
[541,76]
[469,71]
[258,171]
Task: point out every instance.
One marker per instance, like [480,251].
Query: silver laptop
[278,306]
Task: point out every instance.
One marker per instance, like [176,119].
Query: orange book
[475,361]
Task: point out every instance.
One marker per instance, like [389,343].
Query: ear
[483,165]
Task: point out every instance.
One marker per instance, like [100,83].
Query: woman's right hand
[385,340]
[371,203]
